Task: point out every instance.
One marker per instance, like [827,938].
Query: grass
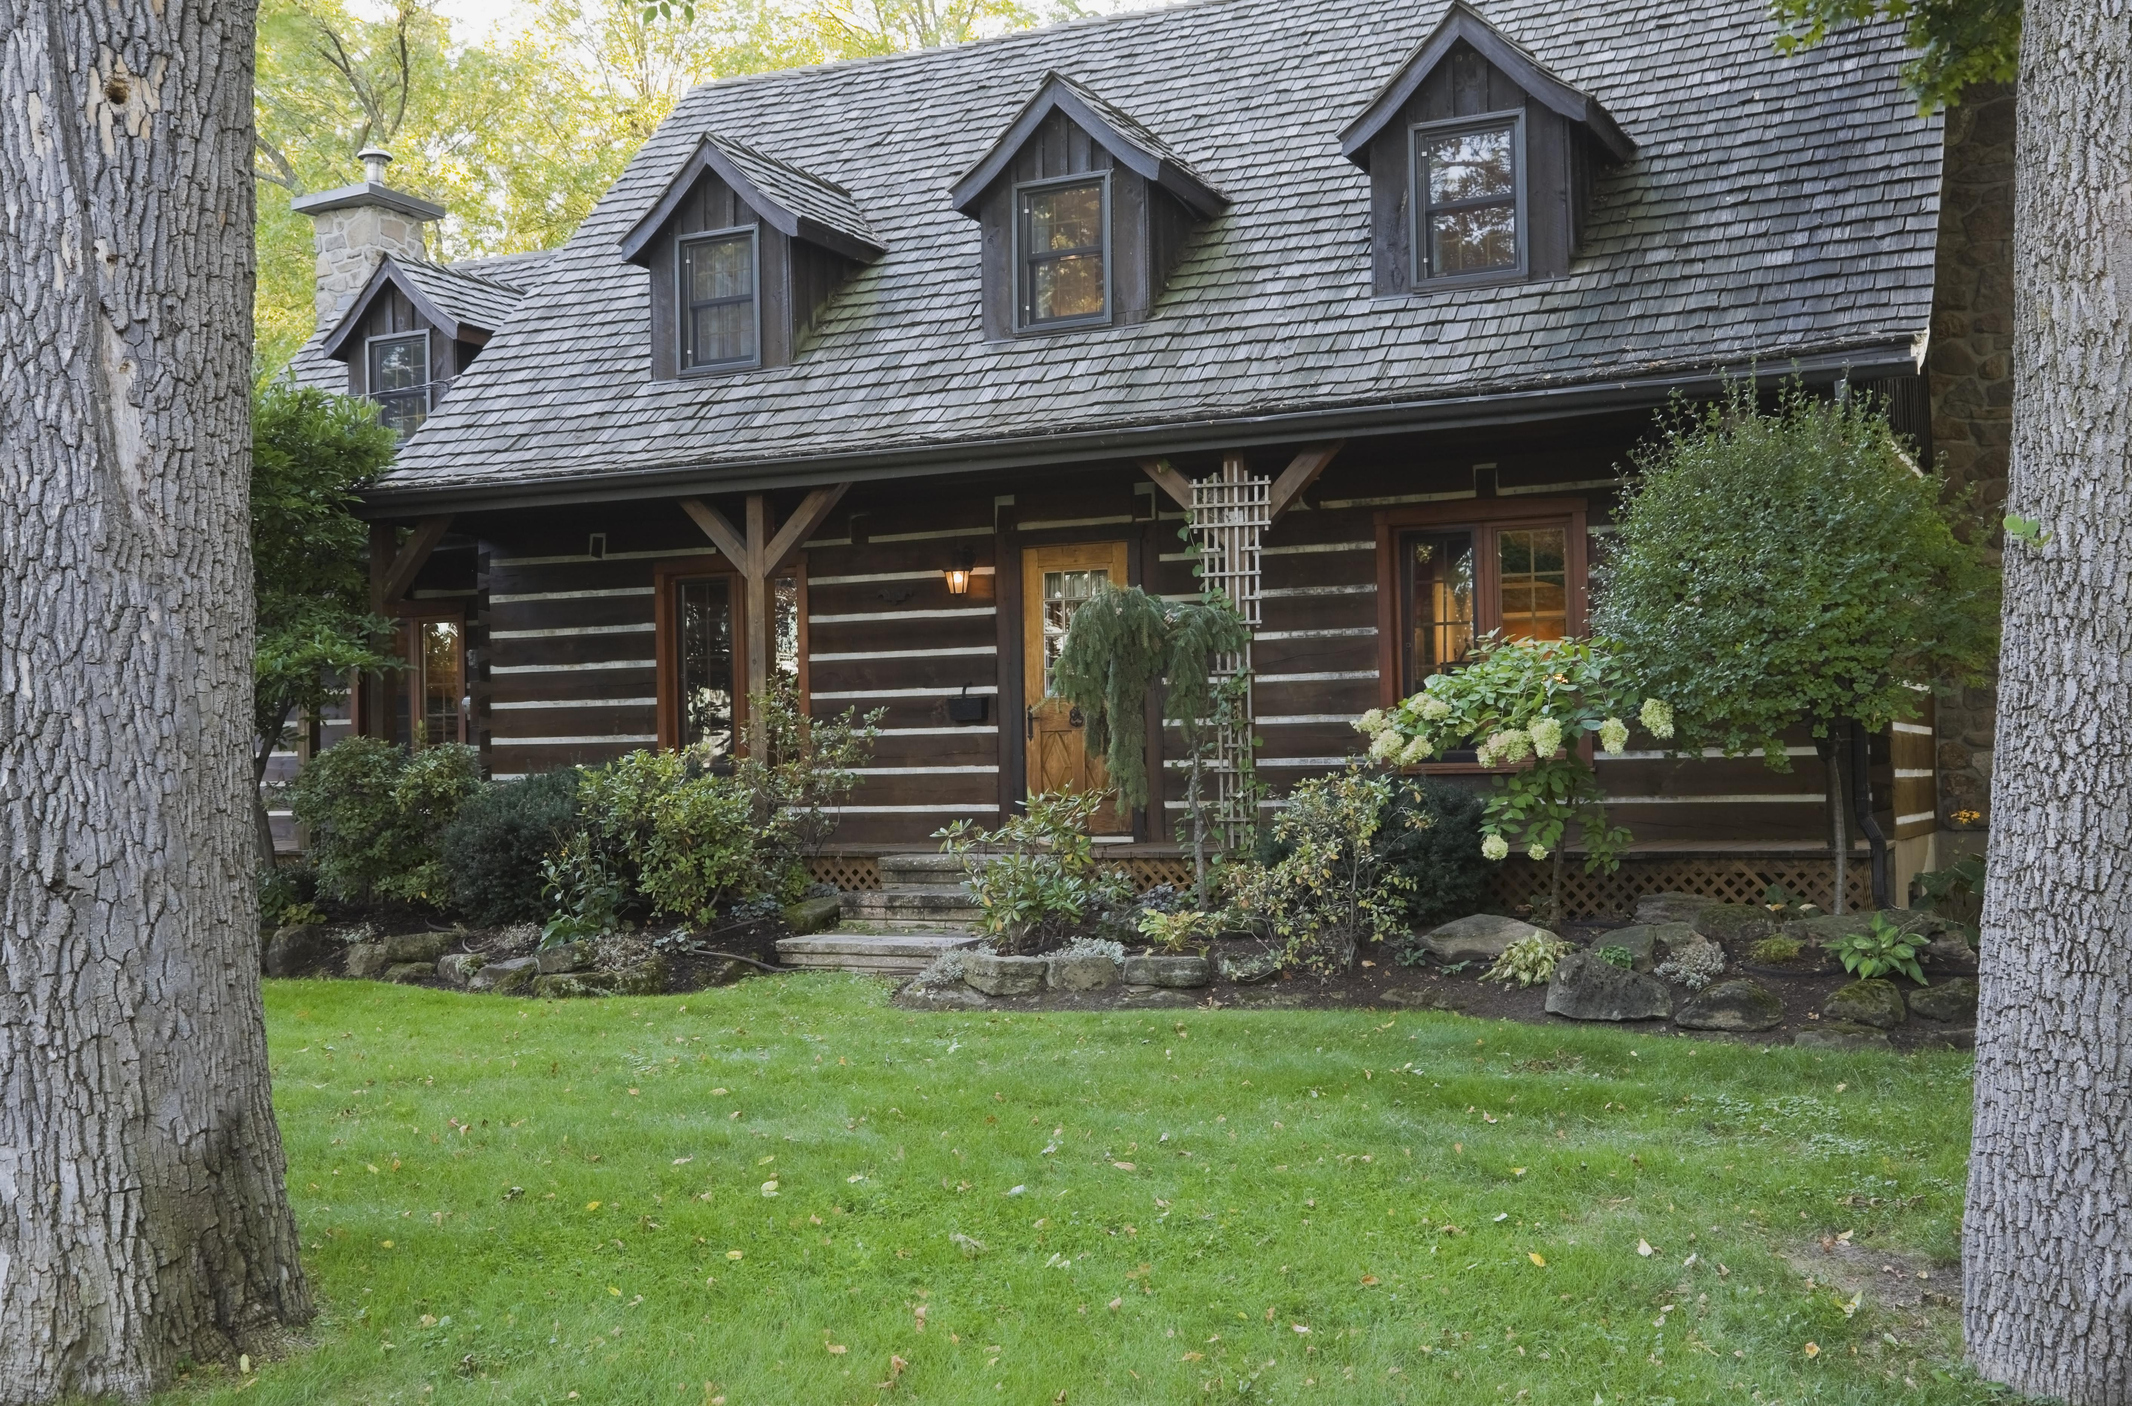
[543,1202]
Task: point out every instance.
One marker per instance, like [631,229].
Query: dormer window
[720,321]
[1064,246]
[1480,162]
[398,380]
[1084,212]
[1471,207]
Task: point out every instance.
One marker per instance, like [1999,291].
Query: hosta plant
[1882,949]
[1530,960]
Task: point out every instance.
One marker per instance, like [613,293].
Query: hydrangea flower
[1613,736]
[1372,722]
[1546,735]
[1507,747]
[1537,852]
[1657,717]
[1417,752]
[1495,847]
[1434,708]
[1385,745]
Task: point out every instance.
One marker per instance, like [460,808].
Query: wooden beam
[1302,471]
[1166,477]
[813,511]
[412,557]
[755,588]
[715,527]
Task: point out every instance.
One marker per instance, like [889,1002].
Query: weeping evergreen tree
[1119,645]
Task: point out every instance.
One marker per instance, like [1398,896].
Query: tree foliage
[1956,42]
[1791,566]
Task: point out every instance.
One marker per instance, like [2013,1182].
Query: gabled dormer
[415,325]
[743,251]
[1480,162]
[1084,213]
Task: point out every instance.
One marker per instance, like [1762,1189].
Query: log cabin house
[864,373]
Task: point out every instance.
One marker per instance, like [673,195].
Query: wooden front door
[1055,581]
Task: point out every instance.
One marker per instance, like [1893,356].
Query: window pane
[705,626]
[723,332]
[1470,166]
[1065,217]
[718,290]
[721,268]
[785,626]
[400,364]
[1064,593]
[1439,570]
[1068,287]
[1468,241]
[442,682]
[1534,564]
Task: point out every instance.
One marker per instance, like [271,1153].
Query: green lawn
[544,1202]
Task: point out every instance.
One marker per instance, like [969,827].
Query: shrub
[703,850]
[1617,957]
[1955,893]
[494,850]
[795,769]
[376,815]
[1531,960]
[287,888]
[1432,839]
[1695,965]
[1329,890]
[1036,878]
[584,896]
[1881,949]
[1175,931]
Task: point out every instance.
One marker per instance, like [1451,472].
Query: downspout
[1862,804]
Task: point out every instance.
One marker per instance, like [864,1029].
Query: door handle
[1074,718]
[1031,737]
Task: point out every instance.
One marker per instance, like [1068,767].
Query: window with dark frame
[703,660]
[1468,207]
[1459,583]
[431,708]
[396,375]
[720,326]
[1062,241]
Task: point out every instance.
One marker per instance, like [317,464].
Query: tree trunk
[2046,1270]
[143,1216]
[1838,805]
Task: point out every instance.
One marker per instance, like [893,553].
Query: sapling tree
[1528,705]
[1793,567]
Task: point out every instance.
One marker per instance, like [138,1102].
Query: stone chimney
[355,227]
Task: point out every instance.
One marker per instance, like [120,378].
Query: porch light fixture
[958,575]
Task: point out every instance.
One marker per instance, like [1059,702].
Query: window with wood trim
[1470,208]
[1062,242]
[432,705]
[721,323]
[396,376]
[702,629]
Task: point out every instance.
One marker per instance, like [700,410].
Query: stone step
[921,871]
[948,905]
[879,954]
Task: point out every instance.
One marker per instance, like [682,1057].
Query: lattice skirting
[1724,878]
[850,872]
[1146,871]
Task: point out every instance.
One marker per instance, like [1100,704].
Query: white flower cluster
[1495,847]
[1546,735]
[1434,709]
[1613,736]
[1657,717]
[1372,723]
[1536,852]
[1386,745]
[1505,748]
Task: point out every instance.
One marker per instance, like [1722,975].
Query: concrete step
[878,954]
[901,871]
[940,905]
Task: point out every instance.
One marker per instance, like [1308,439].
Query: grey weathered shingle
[1776,208]
[478,292]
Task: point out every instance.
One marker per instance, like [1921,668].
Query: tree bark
[2046,1240]
[143,1216]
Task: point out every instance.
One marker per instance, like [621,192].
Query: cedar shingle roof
[1776,209]
[480,293]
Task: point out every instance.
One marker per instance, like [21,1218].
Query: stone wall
[1970,369]
[350,243]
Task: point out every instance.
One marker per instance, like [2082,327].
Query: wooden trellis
[1229,514]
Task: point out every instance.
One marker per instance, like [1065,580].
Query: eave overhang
[389,274]
[849,236]
[1129,144]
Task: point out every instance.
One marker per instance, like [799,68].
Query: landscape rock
[1953,1002]
[565,957]
[1736,923]
[410,973]
[424,947]
[1251,970]
[646,978]
[940,998]
[1670,907]
[562,986]
[1871,1002]
[366,960]
[1174,971]
[1951,953]
[813,915]
[1644,941]
[1586,988]
[458,968]
[1839,1036]
[1087,973]
[1826,928]
[1479,938]
[512,976]
[1004,976]
[298,950]
[1731,1005]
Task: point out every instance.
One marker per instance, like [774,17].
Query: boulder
[458,968]
[410,973]
[1736,923]
[1951,953]
[813,915]
[1731,1005]
[365,961]
[1670,907]
[1087,973]
[512,976]
[1839,1036]
[1004,976]
[1249,971]
[1873,1002]
[1825,928]
[1479,938]
[1586,988]
[298,950]
[1648,943]
[424,947]
[646,978]
[557,986]
[1952,1002]
[1177,971]
[565,957]
[940,998]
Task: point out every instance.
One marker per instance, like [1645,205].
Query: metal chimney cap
[375,159]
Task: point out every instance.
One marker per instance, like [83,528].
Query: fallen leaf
[836,1349]
[683,1161]
[613,1290]
[1813,1349]
[1535,1257]
[1116,1304]
[769,1188]
[716,1092]
[732,1254]
[592,1205]
[1123,1166]
[1192,1357]
[1643,1247]
[1369,1281]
